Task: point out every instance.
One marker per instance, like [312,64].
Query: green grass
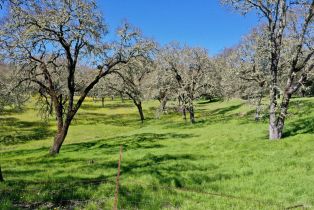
[224,161]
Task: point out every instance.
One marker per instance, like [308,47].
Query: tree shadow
[62,192]
[131,142]
[15,131]
[91,118]
[300,126]
[116,105]
[171,171]
[298,121]
[206,118]
[225,110]
[208,101]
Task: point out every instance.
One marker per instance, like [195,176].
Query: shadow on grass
[131,142]
[61,194]
[298,121]
[170,171]
[219,115]
[301,126]
[177,170]
[90,118]
[14,131]
[225,110]
[55,194]
[209,101]
[111,105]
[107,146]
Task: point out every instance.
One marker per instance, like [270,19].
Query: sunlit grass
[167,163]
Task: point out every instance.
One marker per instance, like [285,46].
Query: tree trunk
[122,99]
[184,112]
[183,106]
[62,127]
[277,124]
[59,138]
[163,104]
[192,117]
[140,110]
[1,177]
[258,109]
[51,107]
[102,102]
[283,113]
[303,91]
[273,130]
[259,104]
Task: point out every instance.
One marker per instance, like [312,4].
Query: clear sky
[201,23]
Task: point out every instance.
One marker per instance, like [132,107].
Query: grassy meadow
[224,161]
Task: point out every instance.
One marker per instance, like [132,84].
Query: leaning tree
[285,20]
[47,40]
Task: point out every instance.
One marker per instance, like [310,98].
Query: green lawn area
[224,161]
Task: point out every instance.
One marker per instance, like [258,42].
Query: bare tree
[253,65]
[162,85]
[279,16]
[132,76]
[47,40]
[190,68]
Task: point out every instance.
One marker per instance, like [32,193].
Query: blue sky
[202,23]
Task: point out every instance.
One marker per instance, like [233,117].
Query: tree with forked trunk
[289,23]
[190,69]
[48,40]
[132,78]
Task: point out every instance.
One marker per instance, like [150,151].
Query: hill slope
[224,161]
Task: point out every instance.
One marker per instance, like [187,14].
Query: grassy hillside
[224,161]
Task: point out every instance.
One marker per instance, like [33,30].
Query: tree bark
[140,110]
[1,177]
[59,138]
[62,126]
[273,130]
[283,114]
